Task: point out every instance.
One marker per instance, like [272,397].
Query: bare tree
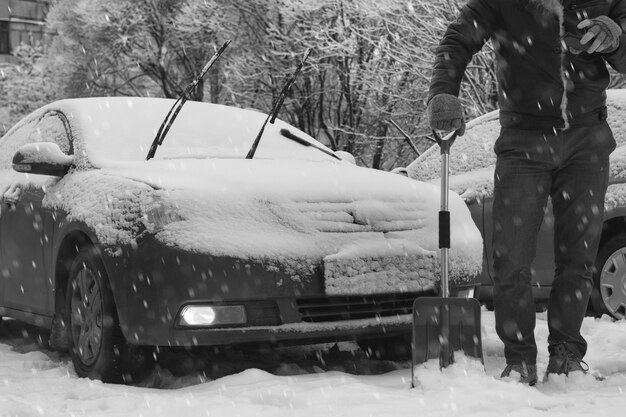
[124,47]
[371,61]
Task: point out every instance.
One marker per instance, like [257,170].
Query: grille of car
[262,313]
[324,309]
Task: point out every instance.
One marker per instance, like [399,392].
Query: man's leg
[521,187]
[578,191]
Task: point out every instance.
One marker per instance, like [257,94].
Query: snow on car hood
[295,214]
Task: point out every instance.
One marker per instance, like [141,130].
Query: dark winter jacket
[540,83]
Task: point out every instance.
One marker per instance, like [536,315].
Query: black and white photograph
[312,208]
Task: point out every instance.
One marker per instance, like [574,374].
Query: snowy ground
[303,381]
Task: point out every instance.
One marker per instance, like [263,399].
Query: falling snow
[339,381]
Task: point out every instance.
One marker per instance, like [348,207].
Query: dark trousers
[571,167]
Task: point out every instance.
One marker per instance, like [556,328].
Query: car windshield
[122,129]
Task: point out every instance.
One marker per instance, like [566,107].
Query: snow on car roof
[114,129]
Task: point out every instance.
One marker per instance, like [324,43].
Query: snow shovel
[443,325]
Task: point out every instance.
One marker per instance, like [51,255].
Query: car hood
[296,215]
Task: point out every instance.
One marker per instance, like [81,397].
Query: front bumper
[293,332]
[152,283]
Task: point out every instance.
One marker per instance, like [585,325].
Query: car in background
[201,244]
[472,164]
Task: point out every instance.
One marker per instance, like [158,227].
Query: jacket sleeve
[462,40]
[617,58]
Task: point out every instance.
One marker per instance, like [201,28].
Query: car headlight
[202,315]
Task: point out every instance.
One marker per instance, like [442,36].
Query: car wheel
[96,344]
[609,293]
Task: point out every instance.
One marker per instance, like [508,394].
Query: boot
[527,373]
[562,362]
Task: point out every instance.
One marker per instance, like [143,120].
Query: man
[554,142]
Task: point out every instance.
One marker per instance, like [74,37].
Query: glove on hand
[446,113]
[604,32]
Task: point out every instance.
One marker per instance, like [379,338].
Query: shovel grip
[444,229]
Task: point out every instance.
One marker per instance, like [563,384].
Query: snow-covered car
[201,245]
[472,165]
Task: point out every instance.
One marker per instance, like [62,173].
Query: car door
[25,225]
[22,254]
[542,269]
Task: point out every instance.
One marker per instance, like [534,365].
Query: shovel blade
[442,326]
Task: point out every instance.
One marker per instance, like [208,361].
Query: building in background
[21,21]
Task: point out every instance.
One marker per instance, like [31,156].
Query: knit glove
[603,31]
[446,113]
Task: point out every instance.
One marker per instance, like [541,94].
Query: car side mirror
[42,158]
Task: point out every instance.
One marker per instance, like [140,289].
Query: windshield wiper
[289,135]
[171,115]
[277,105]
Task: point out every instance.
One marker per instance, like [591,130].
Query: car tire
[96,344]
[393,348]
[609,280]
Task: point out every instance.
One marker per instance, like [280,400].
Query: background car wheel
[609,293]
[96,344]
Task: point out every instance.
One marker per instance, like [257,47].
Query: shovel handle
[445,143]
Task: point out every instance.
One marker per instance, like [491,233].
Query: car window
[616,104]
[47,127]
[616,110]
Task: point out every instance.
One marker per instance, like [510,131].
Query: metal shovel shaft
[446,355]
[445,216]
